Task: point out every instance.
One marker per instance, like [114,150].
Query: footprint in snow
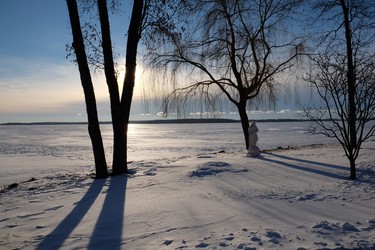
[167,242]
[273,234]
[243,246]
[53,208]
[202,245]
[229,238]
[29,215]
[223,244]
[347,227]
[204,156]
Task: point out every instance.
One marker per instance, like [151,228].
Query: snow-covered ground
[30,150]
[192,187]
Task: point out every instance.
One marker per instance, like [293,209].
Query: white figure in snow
[253,139]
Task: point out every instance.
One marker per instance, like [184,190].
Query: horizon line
[161,121]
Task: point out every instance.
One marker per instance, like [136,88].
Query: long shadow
[57,237]
[365,175]
[307,169]
[108,229]
[309,161]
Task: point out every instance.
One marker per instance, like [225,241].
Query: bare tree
[231,49]
[120,105]
[344,74]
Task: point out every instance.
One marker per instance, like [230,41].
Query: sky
[37,81]
[35,77]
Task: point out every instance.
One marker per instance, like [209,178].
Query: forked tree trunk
[92,114]
[121,128]
[120,108]
[118,160]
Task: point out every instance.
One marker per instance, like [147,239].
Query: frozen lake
[32,150]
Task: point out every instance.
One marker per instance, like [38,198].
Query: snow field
[286,199]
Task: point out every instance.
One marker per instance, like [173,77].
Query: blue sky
[37,82]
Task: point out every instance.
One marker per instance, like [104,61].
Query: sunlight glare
[138,79]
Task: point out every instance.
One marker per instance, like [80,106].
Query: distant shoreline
[159,121]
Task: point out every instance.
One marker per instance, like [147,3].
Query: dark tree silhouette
[92,114]
[344,74]
[120,105]
[232,49]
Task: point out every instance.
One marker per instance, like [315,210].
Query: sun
[138,85]
[139,79]
[138,73]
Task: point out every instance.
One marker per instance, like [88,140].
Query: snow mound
[325,225]
[214,168]
[329,227]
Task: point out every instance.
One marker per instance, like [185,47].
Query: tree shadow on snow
[315,168]
[107,233]
[57,237]
[108,229]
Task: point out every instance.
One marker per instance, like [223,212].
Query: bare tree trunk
[134,35]
[353,174]
[92,114]
[119,164]
[244,121]
[351,88]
